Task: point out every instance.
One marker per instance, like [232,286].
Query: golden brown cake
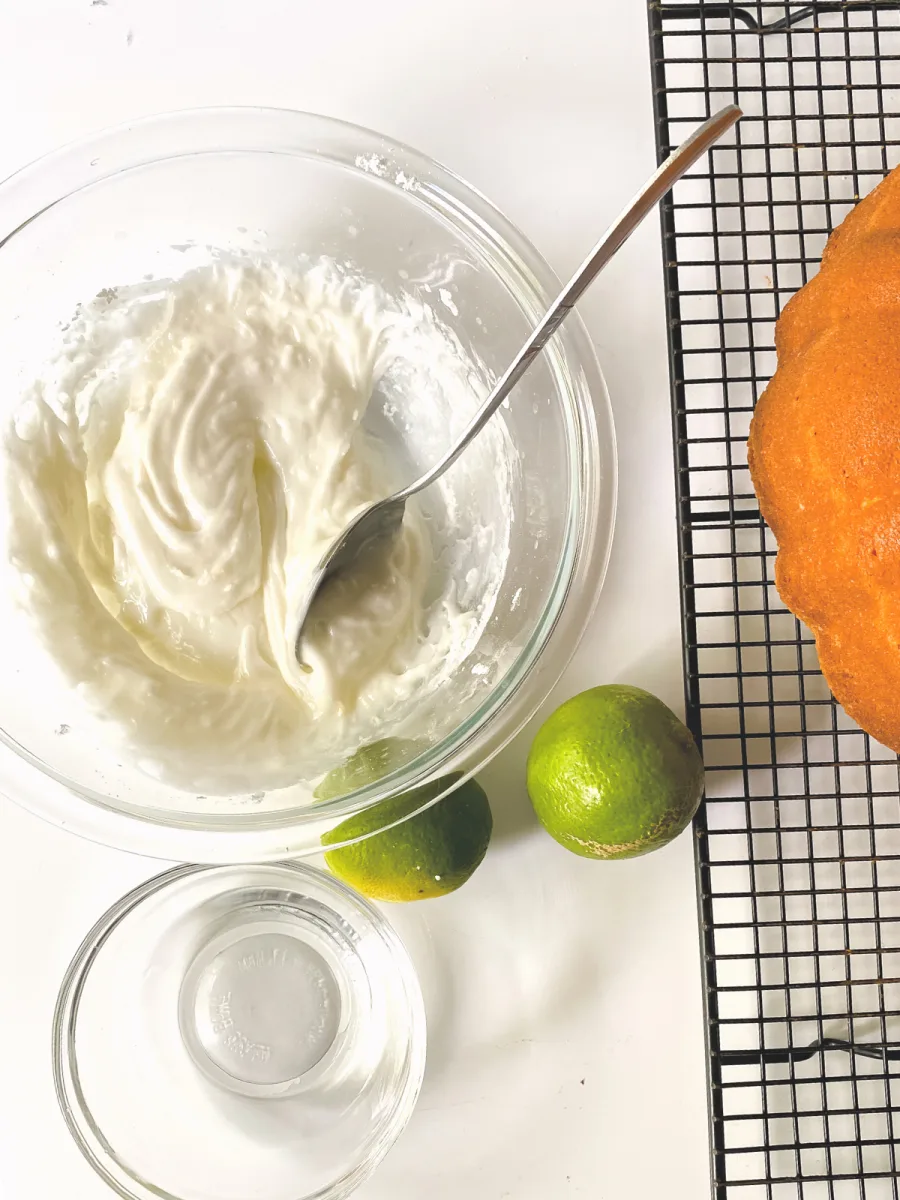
[825,460]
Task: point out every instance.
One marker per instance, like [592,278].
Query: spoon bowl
[370,533]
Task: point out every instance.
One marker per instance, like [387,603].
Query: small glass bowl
[226,1032]
[117,206]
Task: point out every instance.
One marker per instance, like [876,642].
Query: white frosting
[174,479]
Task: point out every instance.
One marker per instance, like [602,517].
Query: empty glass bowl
[227,1032]
[131,204]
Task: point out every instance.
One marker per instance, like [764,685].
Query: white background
[566,1050]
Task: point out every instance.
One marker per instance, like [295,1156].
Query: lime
[369,764]
[430,854]
[613,773]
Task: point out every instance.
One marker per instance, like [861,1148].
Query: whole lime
[430,854]
[613,773]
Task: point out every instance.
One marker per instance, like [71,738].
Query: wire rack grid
[798,846]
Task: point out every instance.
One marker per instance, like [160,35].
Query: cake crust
[824,454]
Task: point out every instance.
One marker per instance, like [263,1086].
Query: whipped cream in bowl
[241,350]
[172,482]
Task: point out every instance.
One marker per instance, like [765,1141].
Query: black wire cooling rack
[798,847]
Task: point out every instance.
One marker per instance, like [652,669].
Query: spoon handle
[647,198]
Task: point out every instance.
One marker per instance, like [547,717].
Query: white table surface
[564,996]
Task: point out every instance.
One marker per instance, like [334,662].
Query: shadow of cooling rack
[798,846]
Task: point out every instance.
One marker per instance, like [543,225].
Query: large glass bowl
[115,209]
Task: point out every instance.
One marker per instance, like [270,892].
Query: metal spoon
[372,530]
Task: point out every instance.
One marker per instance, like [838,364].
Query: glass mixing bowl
[128,205]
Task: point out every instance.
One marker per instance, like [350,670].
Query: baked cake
[824,455]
